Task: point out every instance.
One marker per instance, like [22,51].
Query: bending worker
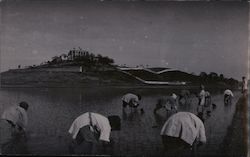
[13,124]
[90,130]
[185,96]
[182,131]
[169,103]
[228,95]
[131,100]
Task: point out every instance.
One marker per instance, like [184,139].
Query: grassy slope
[45,78]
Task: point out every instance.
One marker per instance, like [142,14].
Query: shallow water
[52,110]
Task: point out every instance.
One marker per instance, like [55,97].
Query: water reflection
[17,145]
[159,120]
[132,114]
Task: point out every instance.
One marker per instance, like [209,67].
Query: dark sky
[190,36]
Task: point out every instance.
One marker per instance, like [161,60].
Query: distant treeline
[213,77]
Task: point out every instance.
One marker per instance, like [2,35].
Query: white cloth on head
[174,96]
[186,126]
[101,122]
[131,98]
[17,115]
[228,92]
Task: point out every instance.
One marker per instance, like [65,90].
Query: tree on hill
[56,60]
[221,77]
[106,61]
[232,82]
[213,77]
[203,77]
[203,74]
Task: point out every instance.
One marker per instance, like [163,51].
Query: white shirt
[245,84]
[202,96]
[228,92]
[130,97]
[98,120]
[17,115]
[185,125]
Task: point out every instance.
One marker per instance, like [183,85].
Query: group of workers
[182,130]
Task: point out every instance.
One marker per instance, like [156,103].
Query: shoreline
[93,85]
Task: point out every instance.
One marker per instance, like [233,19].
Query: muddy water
[53,110]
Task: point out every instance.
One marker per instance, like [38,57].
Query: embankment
[235,143]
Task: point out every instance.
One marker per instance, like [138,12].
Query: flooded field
[53,110]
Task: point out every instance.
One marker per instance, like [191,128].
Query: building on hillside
[73,54]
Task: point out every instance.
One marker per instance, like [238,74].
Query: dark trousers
[12,141]
[85,142]
[227,100]
[174,146]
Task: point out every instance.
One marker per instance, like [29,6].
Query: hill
[82,68]
[71,76]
